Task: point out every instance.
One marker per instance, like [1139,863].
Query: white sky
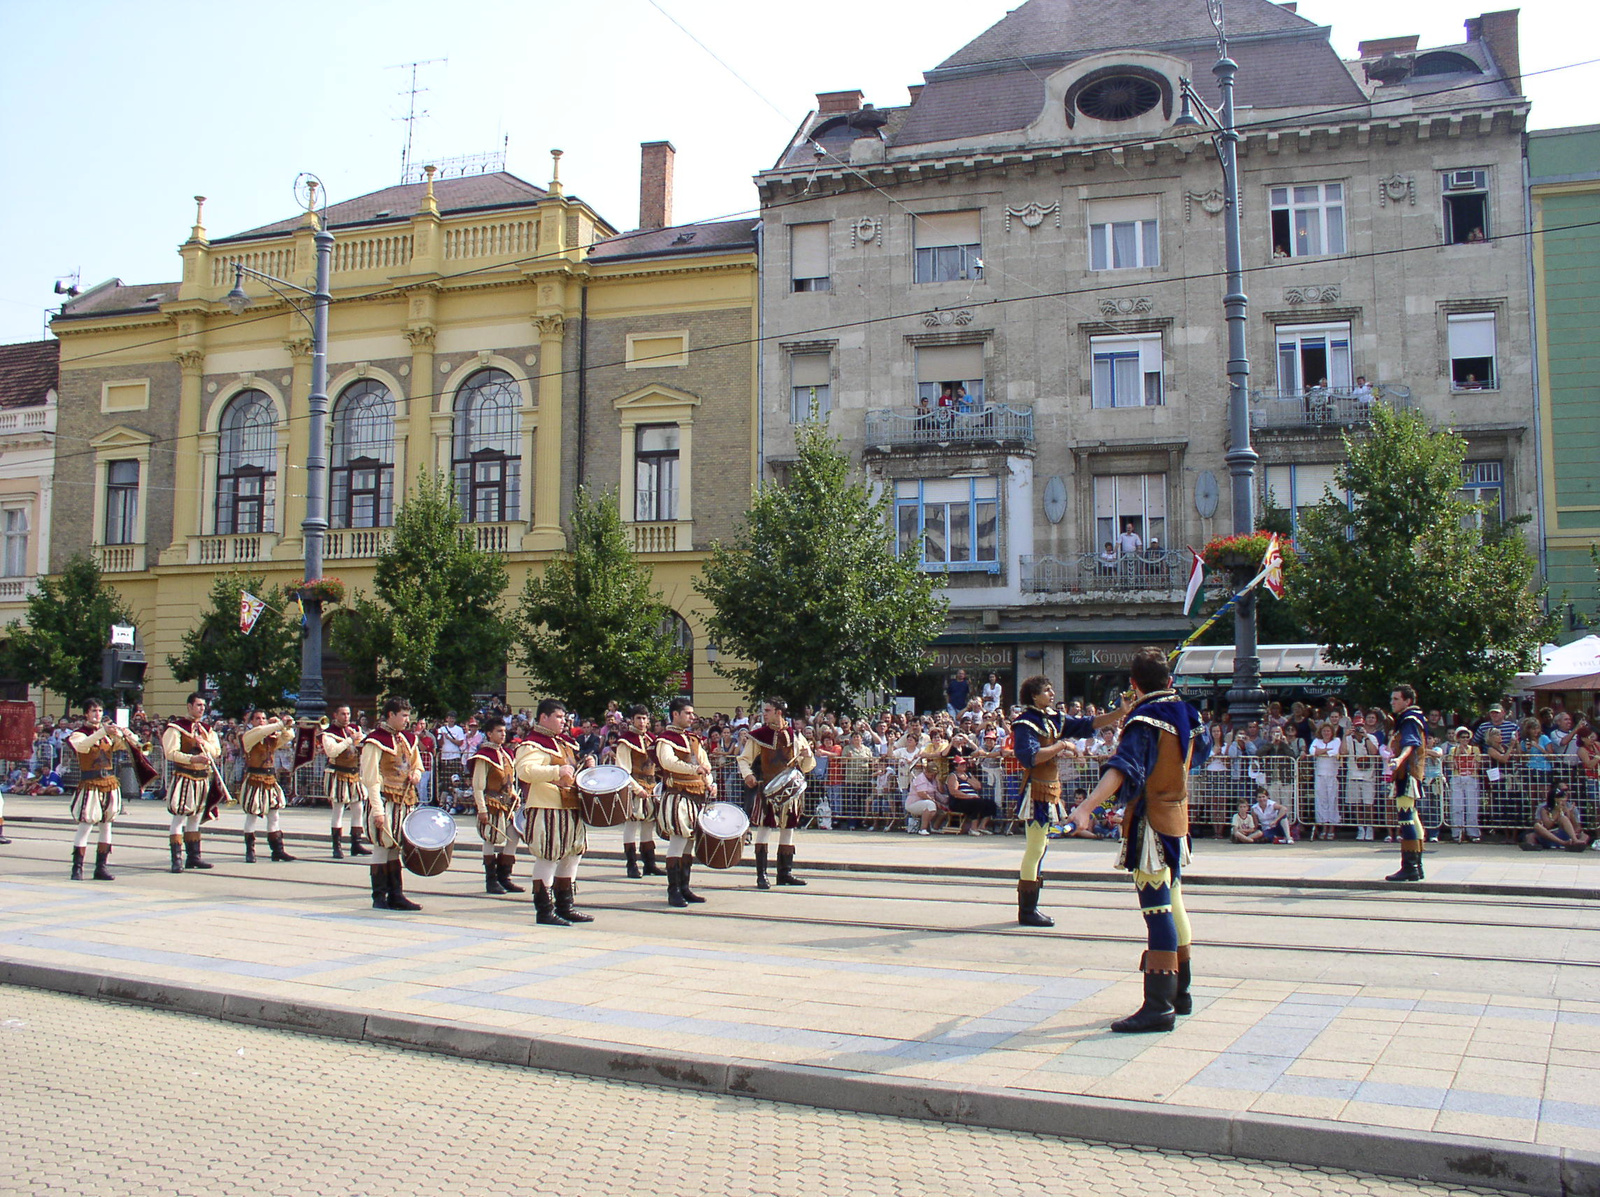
[113,113]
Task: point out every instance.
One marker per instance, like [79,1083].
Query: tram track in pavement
[266,874]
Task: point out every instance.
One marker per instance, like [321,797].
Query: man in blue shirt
[1409,747]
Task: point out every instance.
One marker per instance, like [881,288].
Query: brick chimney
[1498,31]
[833,103]
[655,184]
[915,89]
[1378,47]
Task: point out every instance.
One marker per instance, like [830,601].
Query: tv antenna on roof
[412,116]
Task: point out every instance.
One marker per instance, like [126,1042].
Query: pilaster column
[419,445]
[187,509]
[546,514]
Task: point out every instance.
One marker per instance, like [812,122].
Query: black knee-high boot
[77,864]
[356,846]
[1028,905]
[761,867]
[507,864]
[675,882]
[786,866]
[101,873]
[175,845]
[544,907]
[491,876]
[380,886]
[249,847]
[191,841]
[566,891]
[647,851]
[1156,1013]
[1182,1000]
[337,837]
[397,888]
[631,851]
[275,842]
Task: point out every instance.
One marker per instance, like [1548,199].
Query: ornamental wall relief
[1032,214]
[866,231]
[1133,305]
[1397,187]
[1312,294]
[1211,203]
[960,318]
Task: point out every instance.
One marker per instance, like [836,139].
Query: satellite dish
[1055,499]
[1206,494]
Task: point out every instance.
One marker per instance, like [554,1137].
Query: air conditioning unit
[1466,180]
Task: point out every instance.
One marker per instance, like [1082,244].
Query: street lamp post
[1246,701]
[310,702]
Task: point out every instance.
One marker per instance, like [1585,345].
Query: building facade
[1005,297]
[29,378]
[481,326]
[1564,201]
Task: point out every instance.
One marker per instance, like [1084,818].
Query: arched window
[676,626]
[247,464]
[487,450]
[362,489]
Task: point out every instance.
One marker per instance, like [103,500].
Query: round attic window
[1118,98]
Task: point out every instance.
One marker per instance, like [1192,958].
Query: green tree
[812,600]
[65,632]
[251,670]
[592,626]
[434,629]
[1411,583]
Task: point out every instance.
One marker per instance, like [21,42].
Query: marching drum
[605,795]
[785,790]
[427,841]
[719,842]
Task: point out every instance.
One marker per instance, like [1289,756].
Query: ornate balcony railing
[231,550]
[14,590]
[1322,407]
[998,423]
[346,544]
[120,558]
[661,536]
[1157,573]
[491,538]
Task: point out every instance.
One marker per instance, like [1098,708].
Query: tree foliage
[434,629]
[68,625]
[1276,621]
[1408,583]
[591,625]
[247,671]
[812,600]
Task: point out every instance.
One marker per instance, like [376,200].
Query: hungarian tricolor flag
[1197,580]
[1272,568]
[250,609]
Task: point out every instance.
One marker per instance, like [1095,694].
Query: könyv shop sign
[974,656]
[1092,658]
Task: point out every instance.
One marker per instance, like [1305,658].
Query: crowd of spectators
[1306,771]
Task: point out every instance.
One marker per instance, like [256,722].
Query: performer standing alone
[261,796]
[1409,746]
[767,752]
[391,768]
[547,763]
[686,786]
[98,799]
[193,751]
[341,745]
[1039,735]
[636,752]
[1162,739]
[494,795]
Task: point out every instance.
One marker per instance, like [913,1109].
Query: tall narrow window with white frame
[810,387]
[1126,371]
[1484,483]
[1124,233]
[949,524]
[15,560]
[1466,206]
[1130,505]
[122,502]
[808,257]
[655,472]
[949,247]
[1307,220]
[1473,351]
[1313,357]
[1300,487]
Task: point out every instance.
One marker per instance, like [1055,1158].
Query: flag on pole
[1272,568]
[250,609]
[1197,578]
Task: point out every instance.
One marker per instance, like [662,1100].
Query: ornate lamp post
[310,703]
[1246,701]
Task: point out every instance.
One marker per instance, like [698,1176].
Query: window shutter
[808,253]
[1115,211]
[949,363]
[1472,336]
[934,229]
[809,370]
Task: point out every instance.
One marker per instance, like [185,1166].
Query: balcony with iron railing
[1322,409]
[998,424]
[1154,576]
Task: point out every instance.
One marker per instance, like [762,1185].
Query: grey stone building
[1006,298]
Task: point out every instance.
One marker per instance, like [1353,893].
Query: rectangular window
[1298,488]
[1313,357]
[655,476]
[1485,482]
[950,377]
[122,502]
[1130,504]
[810,387]
[1466,206]
[948,247]
[1472,352]
[808,257]
[655,350]
[955,521]
[1127,371]
[1308,220]
[1123,233]
[16,546]
[125,396]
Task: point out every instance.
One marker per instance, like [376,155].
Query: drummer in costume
[1409,746]
[341,746]
[547,764]
[192,749]
[261,797]
[1162,739]
[98,799]
[686,786]
[391,768]
[1039,736]
[768,751]
[636,752]
[494,795]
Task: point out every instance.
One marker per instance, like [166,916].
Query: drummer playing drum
[637,754]
[686,786]
[547,763]
[494,795]
[391,767]
[769,750]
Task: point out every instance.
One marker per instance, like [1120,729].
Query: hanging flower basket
[1241,552]
[324,590]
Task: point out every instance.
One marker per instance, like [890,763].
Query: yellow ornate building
[483,326]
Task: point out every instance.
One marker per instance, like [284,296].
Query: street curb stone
[1413,1155]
